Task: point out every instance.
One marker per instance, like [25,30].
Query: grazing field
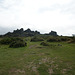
[56,59]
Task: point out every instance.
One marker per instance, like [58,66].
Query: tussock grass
[36,59]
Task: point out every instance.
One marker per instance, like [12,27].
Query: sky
[40,15]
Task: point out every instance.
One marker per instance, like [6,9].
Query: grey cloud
[66,30]
[4,30]
[6,6]
[3,6]
[69,8]
[65,8]
[51,8]
[1,1]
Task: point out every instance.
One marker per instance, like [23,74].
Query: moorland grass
[35,59]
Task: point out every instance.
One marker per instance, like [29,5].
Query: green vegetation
[13,42]
[44,44]
[36,39]
[53,39]
[72,40]
[6,41]
[58,58]
[16,44]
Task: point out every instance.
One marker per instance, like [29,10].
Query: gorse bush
[64,38]
[6,41]
[44,44]
[36,39]
[16,44]
[58,39]
[53,39]
[72,40]
[13,42]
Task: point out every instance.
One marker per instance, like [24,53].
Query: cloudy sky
[41,15]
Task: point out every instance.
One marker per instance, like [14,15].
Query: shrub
[16,39]
[72,40]
[54,39]
[64,38]
[16,44]
[44,44]
[13,42]
[36,39]
[7,41]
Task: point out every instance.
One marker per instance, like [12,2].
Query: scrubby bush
[13,42]
[16,44]
[6,41]
[64,38]
[72,40]
[36,39]
[44,44]
[53,39]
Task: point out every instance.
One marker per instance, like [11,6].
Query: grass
[38,60]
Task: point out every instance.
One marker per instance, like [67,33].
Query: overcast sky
[41,15]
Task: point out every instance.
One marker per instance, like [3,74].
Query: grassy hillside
[35,59]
